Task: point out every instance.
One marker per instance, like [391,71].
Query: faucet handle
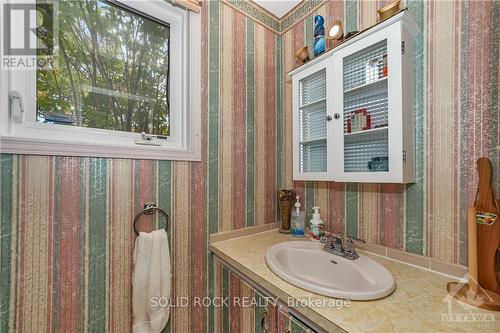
[350,251]
[356,239]
[349,246]
[332,241]
[336,242]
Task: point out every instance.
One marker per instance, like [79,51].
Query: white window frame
[184,143]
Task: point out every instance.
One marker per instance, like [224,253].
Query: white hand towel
[151,282]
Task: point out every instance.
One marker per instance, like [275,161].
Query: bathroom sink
[306,265]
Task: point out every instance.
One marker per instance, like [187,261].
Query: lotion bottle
[316,226]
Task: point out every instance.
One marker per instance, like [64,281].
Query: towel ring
[148,210]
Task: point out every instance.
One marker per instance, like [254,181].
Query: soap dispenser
[316,226]
[298,220]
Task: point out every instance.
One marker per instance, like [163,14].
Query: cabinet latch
[404,156]
[403,47]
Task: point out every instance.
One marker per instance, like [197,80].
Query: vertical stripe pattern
[456,112]
[66,236]
[72,268]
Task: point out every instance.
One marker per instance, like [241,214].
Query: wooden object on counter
[472,248]
[488,235]
[483,298]
[472,293]
[483,241]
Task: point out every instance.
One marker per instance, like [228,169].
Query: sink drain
[333,262]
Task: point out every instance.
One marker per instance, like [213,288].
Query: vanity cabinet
[353,115]
[241,307]
[289,324]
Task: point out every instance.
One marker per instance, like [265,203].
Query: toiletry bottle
[316,226]
[298,220]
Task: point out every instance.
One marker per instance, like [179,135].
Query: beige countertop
[420,302]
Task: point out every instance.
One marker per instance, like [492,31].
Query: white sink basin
[308,266]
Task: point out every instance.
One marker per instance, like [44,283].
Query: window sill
[29,146]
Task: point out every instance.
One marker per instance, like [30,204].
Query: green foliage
[111,69]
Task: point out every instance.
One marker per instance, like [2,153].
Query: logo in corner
[461,314]
[29,35]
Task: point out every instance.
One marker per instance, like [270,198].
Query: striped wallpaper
[66,236]
[67,240]
[456,108]
[244,129]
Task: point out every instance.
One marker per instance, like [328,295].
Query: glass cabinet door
[312,131]
[353,118]
[372,108]
[365,77]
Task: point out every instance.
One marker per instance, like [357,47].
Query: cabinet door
[289,324]
[368,91]
[265,314]
[239,307]
[312,94]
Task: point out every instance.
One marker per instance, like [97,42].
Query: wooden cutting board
[488,235]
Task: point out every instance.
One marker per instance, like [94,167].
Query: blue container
[319,35]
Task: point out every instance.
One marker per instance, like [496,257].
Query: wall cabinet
[241,307]
[353,108]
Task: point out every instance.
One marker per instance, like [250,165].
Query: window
[120,81]
[112,70]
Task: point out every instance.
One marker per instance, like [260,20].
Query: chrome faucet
[334,244]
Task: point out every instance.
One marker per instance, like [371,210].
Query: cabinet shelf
[313,141]
[366,135]
[319,101]
[364,85]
